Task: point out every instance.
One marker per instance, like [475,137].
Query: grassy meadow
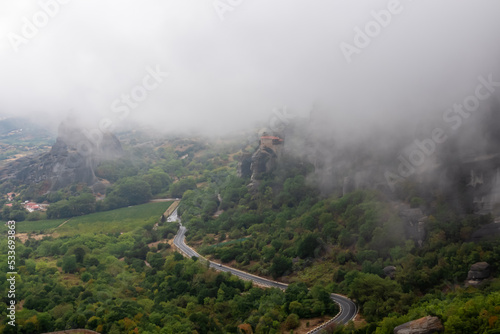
[114,221]
[39,226]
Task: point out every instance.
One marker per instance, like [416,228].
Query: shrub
[292,321]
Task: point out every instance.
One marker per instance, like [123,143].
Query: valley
[257,216]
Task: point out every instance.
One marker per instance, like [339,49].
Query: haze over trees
[338,146]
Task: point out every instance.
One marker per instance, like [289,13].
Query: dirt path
[171,209]
[63,223]
[24,236]
[163,200]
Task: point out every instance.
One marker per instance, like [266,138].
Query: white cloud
[225,74]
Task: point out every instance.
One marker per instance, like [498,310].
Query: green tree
[134,190]
[292,321]
[281,265]
[61,209]
[307,246]
[74,206]
[158,180]
[178,189]
[377,296]
[79,254]
[83,204]
[69,264]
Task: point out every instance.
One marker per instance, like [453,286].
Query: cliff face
[244,165]
[263,160]
[72,159]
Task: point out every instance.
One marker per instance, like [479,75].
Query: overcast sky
[229,67]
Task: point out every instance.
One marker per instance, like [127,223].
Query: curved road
[348,309]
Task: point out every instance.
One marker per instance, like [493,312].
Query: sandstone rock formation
[72,159]
[244,165]
[263,160]
[425,325]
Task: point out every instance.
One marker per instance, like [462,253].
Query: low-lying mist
[373,70]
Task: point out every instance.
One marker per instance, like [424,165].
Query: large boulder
[390,271]
[478,272]
[425,325]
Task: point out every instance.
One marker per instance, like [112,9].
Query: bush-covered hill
[285,230]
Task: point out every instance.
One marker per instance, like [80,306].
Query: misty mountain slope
[71,160]
[431,158]
[392,253]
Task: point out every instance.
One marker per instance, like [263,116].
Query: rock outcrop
[244,165]
[425,325]
[414,222]
[478,272]
[390,271]
[263,160]
[72,159]
[487,232]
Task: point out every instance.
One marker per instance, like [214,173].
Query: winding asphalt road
[348,309]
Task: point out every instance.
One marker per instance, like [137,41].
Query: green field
[44,226]
[119,220]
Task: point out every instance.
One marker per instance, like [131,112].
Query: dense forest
[283,228]
[117,284]
[250,167]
